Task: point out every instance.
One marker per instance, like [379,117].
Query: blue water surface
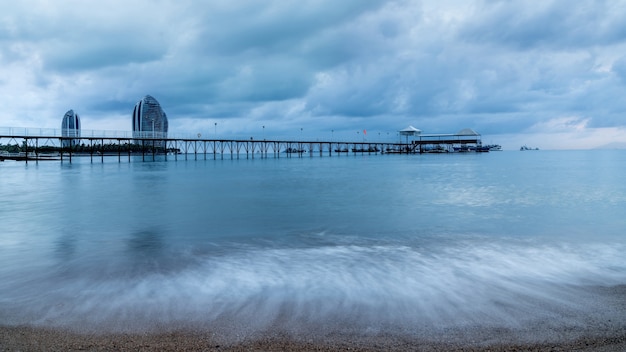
[501,239]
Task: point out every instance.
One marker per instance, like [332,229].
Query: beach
[597,333]
[39,339]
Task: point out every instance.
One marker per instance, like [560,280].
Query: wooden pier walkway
[32,147]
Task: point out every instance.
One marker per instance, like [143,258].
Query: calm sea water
[504,239]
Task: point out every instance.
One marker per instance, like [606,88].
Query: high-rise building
[70,127]
[149,119]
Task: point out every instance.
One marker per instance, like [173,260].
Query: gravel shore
[41,339]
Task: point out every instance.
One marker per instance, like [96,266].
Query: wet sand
[41,339]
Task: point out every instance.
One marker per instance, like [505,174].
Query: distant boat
[527,148]
[494,147]
[22,156]
[295,150]
[365,150]
[393,151]
[471,148]
[462,149]
[435,150]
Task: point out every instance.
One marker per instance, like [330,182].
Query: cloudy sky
[550,74]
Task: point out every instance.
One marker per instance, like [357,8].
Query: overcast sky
[550,74]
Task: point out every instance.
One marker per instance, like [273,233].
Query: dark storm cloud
[272,51]
[508,67]
[274,26]
[69,58]
[555,24]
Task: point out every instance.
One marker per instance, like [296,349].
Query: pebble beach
[39,339]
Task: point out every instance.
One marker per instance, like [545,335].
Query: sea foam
[368,284]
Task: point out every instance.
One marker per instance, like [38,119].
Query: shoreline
[26,338]
[595,330]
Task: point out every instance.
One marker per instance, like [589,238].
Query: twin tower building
[149,121]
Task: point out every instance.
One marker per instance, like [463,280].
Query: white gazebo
[467,132]
[409,131]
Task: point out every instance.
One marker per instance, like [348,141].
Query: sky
[548,74]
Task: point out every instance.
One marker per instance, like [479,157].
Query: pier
[49,144]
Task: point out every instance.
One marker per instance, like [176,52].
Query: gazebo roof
[468,132]
[410,131]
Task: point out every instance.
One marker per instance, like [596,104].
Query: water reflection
[65,247]
[146,242]
[146,252]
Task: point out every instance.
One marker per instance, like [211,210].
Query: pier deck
[36,147]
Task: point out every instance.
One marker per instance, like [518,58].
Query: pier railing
[59,132]
[35,143]
[20,132]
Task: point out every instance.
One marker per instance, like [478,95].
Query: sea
[528,242]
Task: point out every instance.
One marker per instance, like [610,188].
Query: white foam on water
[467,283]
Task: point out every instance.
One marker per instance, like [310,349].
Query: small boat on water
[467,149]
[522,148]
[435,150]
[365,150]
[462,149]
[494,147]
[295,151]
[22,156]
